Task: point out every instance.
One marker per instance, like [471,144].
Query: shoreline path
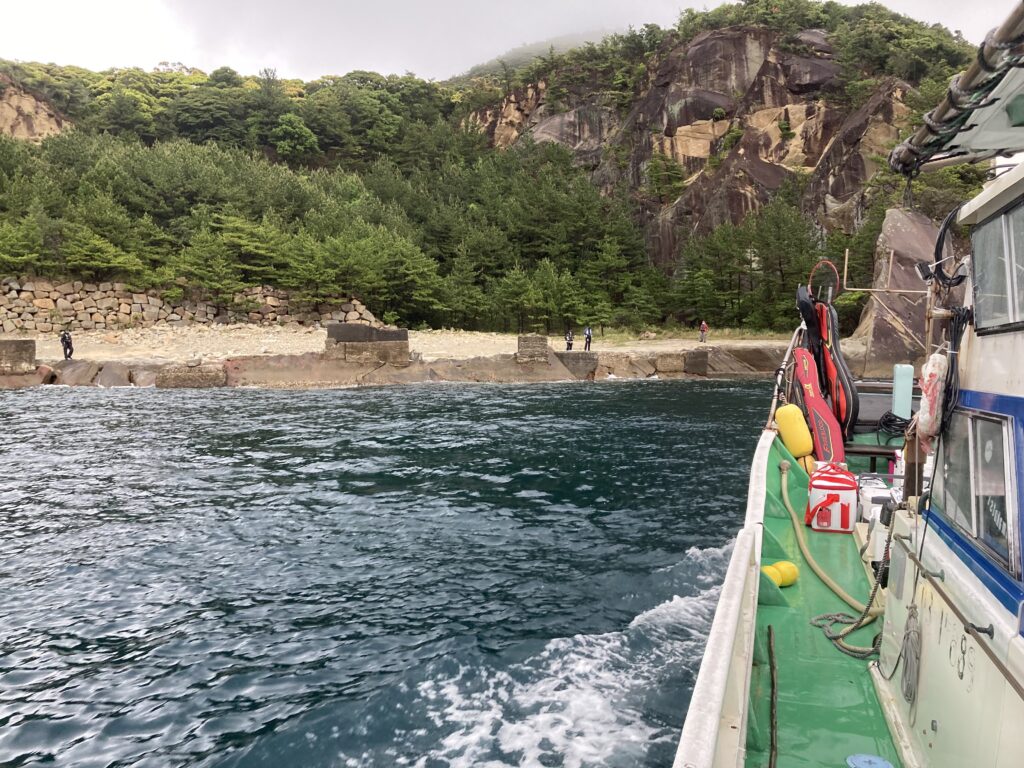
[169,344]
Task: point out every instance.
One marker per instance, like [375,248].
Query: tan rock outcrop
[24,116]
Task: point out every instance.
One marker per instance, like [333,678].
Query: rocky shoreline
[376,363]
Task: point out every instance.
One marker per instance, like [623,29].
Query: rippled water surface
[426,576]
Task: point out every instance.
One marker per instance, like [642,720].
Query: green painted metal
[770,547]
[828,709]
[768,593]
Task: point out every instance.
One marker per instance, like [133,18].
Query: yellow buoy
[793,430]
[772,573]
[808,463]
[788,571]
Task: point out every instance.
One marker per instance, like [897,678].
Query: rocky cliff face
[892,328]
[739,115]
[23,116]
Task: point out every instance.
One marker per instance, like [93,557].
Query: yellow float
[788,571]
[793,430]
[808,463]
[772,573]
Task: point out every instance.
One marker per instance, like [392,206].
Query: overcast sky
[309,38]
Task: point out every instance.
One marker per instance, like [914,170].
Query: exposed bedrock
[892,327]
[23,116]
[807,75]
[76,373]
[114,375]
[835,192]
[738,114]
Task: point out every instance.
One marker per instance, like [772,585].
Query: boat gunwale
[699,742]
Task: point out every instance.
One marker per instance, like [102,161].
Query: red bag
[825,430]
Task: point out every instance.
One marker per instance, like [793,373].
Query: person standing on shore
[588,335]
[67,344]
[703,331]
[568,340]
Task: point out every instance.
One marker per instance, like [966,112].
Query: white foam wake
[580,701]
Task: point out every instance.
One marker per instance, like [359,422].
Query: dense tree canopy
[438,245]
[372,185]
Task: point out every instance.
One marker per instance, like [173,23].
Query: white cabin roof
[997,195]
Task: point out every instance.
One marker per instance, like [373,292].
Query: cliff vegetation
[658,175]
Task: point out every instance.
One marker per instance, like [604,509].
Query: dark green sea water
[421,576]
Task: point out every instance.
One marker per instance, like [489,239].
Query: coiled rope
[911,653]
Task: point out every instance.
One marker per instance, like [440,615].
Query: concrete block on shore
[17,356]
[670,362]
[392,352]
[582,365]
[355,332]
[696,362]
[191,377]
[533,348]
[362,344]
[296,371]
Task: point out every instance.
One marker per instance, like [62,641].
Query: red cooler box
[832,499]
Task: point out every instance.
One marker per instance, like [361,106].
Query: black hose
[892,424]
[950,281]
[962,317]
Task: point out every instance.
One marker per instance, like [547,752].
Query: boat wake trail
[587,700]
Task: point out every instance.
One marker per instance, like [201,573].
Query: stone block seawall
[40,305]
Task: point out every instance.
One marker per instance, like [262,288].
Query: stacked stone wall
[41,305]
[532,348]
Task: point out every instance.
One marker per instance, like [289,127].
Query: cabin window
[991,488]
[1016,228]
[972,490]
[991,276]
[952,493]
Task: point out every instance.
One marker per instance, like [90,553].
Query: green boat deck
[827,707]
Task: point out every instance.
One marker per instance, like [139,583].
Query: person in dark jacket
[67,344]
[568,340]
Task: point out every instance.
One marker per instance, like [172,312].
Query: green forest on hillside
[374,186]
